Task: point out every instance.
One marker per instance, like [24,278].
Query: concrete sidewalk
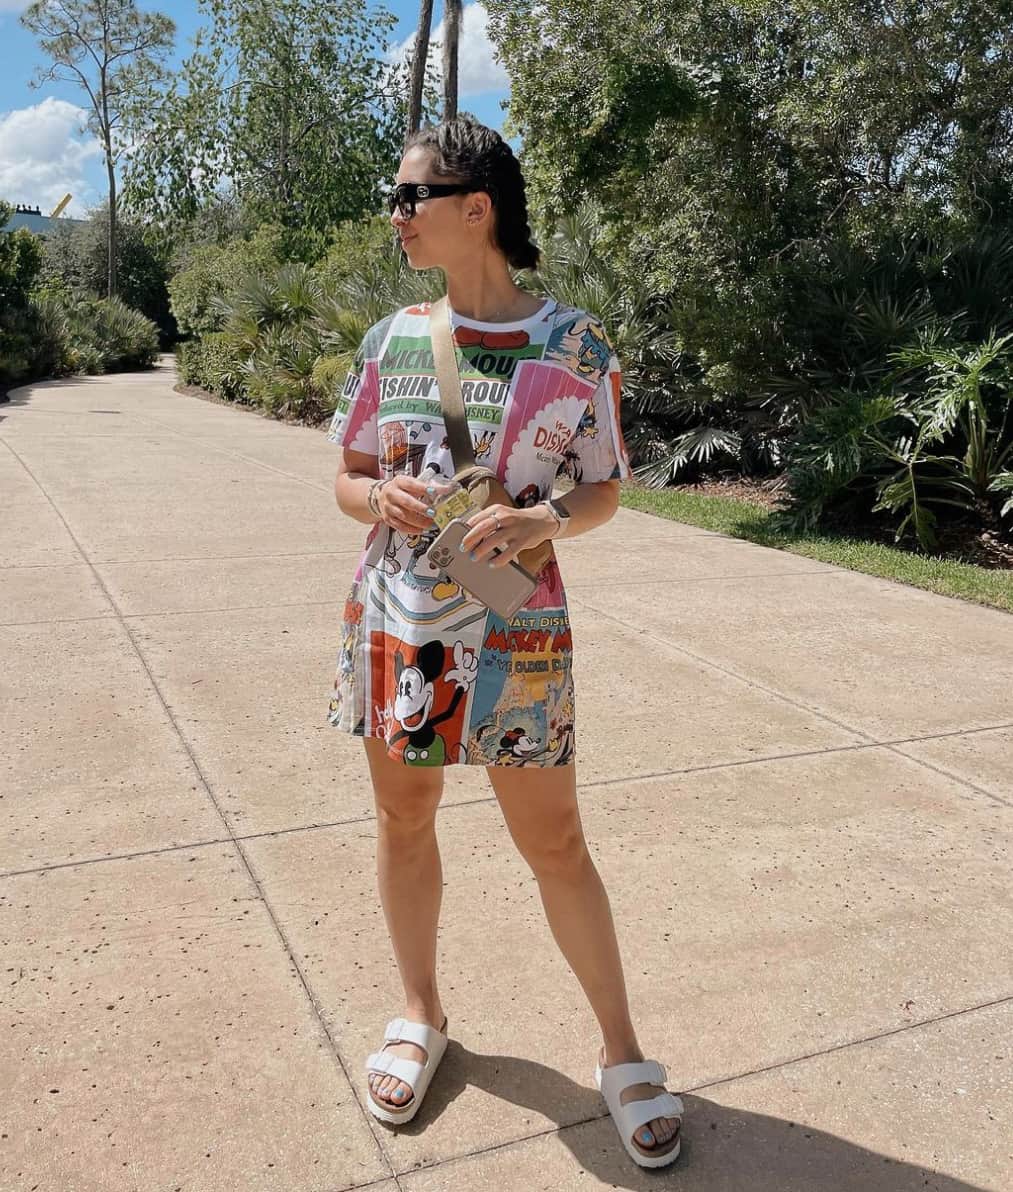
[797,783]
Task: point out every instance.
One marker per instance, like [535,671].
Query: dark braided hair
[478,155]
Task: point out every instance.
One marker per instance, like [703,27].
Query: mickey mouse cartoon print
[416,695]
[429,669]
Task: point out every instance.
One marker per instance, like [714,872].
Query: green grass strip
[741,519]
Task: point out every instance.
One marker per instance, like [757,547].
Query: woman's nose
[397,219]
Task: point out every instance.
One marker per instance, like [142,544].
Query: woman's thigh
[539,804]
[405,795]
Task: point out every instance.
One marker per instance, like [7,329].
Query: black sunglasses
[404,196]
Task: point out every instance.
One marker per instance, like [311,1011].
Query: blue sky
[43,155]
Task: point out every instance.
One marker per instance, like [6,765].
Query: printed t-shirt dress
[439,677]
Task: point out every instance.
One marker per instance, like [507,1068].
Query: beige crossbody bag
[482,483]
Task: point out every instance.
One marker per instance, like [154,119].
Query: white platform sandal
[634,1114]
[416,1075]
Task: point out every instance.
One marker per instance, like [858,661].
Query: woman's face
[445,231]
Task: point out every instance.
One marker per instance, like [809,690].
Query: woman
[428,676]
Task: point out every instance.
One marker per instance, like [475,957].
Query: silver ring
[495,518]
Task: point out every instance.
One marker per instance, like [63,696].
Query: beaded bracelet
[372,497]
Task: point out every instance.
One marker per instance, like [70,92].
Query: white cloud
[13,5]
[479,71]
[44,153]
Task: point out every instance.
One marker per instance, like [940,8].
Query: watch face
[560,508]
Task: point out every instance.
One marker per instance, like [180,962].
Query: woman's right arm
[401,500]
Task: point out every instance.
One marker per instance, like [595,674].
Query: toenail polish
[647,1137]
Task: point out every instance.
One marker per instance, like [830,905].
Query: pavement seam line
[295,554]
[236,844]
[795,703]
[456,804]
[176,612]
[695,1089]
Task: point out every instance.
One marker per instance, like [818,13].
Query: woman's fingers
[481,535]
[398,500]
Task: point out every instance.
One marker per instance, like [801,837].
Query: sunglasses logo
[422,192]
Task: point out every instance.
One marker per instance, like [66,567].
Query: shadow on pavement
[723,1150]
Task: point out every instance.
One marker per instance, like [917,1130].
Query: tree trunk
[452,16]
[419,60]
[113,282]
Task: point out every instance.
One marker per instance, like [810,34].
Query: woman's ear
[478,207]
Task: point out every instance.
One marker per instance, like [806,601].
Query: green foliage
[283,335]
[939,437]
[20,264]
[211,272]
[116,54]
[328,377]
[290,104]
[97,335]
[212,363]
[351,246]
[76,258]
[801,191]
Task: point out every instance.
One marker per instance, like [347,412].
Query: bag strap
[448,377]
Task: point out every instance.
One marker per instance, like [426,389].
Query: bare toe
[645,1136]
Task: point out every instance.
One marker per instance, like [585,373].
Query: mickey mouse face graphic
[414,700]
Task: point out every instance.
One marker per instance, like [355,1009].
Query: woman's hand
[511,530]
[403,504]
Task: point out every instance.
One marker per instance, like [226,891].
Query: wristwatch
[562,514]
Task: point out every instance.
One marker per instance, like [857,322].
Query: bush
[80,334]
[935,439]
[76,257]
[209,274]
[20,263]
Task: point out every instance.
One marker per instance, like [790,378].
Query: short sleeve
[598,451]
[354,424]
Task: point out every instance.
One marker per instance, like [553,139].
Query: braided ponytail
[468,150]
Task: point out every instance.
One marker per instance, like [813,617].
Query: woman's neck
[488,294]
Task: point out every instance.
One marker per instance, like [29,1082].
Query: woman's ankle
[428,1011]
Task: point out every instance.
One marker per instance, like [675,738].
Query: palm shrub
[895,382]
[939,437]
[124,338]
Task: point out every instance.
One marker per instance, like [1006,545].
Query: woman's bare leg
[410,880]
[541,812]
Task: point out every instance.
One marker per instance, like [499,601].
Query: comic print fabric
[434,673]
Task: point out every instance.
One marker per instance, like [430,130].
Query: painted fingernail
[462,548]
[430,513]
[471,555]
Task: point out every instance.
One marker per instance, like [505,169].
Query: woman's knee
[405,813]
[557,850]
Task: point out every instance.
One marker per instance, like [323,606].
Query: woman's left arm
[589,505]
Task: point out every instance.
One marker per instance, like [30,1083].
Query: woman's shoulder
[578,338]
[564,314]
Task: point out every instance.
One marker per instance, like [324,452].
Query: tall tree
[452,17]
[290,104]
[420,57]
[115,53]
